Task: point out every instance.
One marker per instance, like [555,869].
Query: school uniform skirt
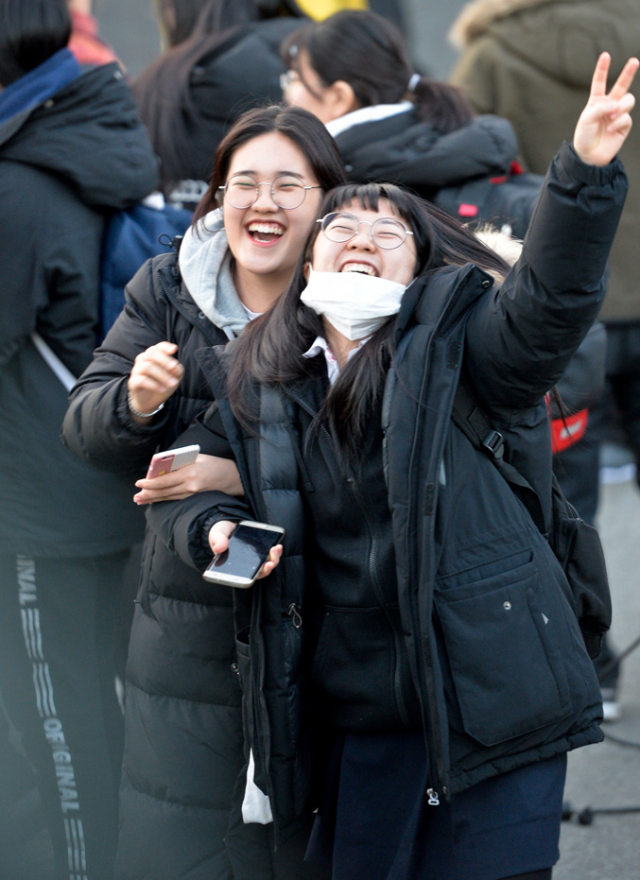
[375,821]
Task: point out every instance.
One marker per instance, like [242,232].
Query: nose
[362,239]
[265,201]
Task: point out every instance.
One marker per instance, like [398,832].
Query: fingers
[606,121]
[274,558]
[159,368]
[219,535]
[150,492]
[206,473]
[599,79]
[155,376]
[156,369]
[621,85]
[620,121]
[168,487]
[624,81]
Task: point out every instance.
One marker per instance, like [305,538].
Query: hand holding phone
[251,551]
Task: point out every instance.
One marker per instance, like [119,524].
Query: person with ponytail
[354,73]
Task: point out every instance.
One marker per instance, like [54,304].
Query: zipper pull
[434,800]
[294,614]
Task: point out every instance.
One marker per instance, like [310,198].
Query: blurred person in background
[85,42]
[354,73]
[72,150]
[222,60]
[530,61]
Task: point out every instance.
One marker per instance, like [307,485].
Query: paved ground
[608,775]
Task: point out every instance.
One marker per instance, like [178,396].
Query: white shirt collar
[320,344]
[250,315]
[366,114]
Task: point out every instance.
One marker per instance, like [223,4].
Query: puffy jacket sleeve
[98,426]
[521,336]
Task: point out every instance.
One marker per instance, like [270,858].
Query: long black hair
[271,347]
[369,53]
[31,31]
[300,127]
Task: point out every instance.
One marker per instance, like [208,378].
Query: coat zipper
[435,744]
[373,575]
[372,556]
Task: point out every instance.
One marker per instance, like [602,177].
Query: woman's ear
[306,271]
[340,99]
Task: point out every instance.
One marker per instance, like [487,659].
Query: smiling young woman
[264,237]
[142,390]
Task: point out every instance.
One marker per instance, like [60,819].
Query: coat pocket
[503,645]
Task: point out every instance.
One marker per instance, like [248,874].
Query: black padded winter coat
[184,740]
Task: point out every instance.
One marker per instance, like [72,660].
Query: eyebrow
[277,174]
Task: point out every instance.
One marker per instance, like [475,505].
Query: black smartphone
[248,550]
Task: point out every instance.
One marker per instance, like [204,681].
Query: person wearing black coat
[184,738]
[72,151]
[416,611]
[191,95]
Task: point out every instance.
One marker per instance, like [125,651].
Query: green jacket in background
[532,61]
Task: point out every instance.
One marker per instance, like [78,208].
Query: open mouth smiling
[363,268]
[265,233]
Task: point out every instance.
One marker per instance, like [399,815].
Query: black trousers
[57,621]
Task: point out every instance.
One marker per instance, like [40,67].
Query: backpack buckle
[494,443]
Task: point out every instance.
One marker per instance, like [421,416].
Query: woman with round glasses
[184,742]
[412,667]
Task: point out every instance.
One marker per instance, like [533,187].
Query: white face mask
[354,303]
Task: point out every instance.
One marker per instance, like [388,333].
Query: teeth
[359,267]
[268,228]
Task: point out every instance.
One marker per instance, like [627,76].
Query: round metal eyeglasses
[386,232]
[286,191]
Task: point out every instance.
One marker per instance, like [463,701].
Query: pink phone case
[165,462]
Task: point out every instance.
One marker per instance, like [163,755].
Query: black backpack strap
[475,425]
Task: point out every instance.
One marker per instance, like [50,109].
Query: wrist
[142,415]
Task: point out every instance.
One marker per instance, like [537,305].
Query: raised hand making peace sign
[606,120]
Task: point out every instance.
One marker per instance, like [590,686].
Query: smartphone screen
[249,547]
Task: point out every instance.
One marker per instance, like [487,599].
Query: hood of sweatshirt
[205,266]
[88,134]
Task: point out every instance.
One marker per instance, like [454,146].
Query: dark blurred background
[129,25]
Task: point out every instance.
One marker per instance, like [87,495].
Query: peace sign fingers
[605,122]
[623,83]
[600,74]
